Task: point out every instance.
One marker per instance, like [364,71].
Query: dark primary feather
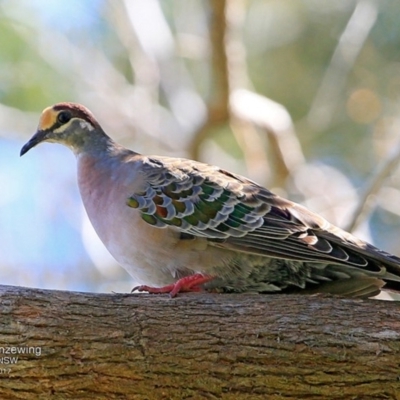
[235,213]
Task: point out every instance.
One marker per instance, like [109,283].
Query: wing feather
[235,213]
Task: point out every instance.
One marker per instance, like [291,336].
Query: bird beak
[38,137]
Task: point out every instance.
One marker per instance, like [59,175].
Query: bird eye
[63,117]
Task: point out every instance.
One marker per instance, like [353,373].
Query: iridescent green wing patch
[198,204]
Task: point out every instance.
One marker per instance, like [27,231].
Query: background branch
[365,206]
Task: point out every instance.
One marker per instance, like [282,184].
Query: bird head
[67,123]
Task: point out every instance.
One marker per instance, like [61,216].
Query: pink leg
[187,284]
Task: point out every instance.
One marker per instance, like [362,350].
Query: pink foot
[187,284]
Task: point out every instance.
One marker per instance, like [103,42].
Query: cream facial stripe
[63,128]
[86,125]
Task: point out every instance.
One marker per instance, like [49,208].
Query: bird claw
[187,284]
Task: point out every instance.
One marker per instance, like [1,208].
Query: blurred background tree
[300,95]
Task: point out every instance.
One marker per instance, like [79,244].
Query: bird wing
[233,212]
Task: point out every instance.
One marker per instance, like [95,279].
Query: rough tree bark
[196,346]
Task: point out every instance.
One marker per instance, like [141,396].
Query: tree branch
[117,346]
[375,183]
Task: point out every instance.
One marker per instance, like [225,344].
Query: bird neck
[103,151]
[87,143]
